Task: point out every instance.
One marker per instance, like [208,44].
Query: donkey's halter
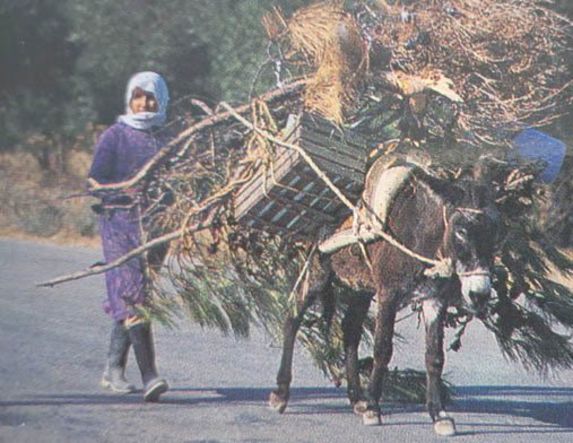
[469,210]
[473,273]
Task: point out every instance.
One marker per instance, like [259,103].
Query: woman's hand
[92,183]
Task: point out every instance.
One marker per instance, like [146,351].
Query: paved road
[53,342]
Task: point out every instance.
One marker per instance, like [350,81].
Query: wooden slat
[310,203]
[339,148]
[335,164]
[335,138]
[306,175]
[302,207]
[335,168]
[334,156]
[290,208]
[320,125]
[264,223]
[284,161]
[325,132]
[341,182]
[255,188]
[317,199]
[259,193]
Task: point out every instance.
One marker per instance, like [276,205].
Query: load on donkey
[432,88]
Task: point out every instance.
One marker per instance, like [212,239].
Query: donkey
[435,218]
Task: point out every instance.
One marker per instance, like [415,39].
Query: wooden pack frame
[290,198]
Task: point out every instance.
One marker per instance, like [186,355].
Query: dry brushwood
[327,38]
[504,58]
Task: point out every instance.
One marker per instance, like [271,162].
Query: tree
[66,62]
[206,49]
[37,59]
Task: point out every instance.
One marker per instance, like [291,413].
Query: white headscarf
[149,82]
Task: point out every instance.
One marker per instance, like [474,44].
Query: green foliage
[531,314]
[36,60]
[65,63]
[236,41]
[536,307]
[119,38]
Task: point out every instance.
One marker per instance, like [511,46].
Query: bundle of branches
[219,273]
[494,66]
[532,313]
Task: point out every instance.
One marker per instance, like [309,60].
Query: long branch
[197,127]
[98,269]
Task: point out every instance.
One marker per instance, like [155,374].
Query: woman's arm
[103,166]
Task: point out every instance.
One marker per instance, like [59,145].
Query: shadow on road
[184,396]
[553,406]
[546,404]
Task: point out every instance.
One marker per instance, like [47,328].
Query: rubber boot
[114,373]
[142,341]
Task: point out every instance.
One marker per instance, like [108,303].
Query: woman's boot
[142,341]
[114,373]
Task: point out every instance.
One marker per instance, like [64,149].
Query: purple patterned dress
[119,154]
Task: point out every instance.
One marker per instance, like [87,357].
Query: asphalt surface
[53,343]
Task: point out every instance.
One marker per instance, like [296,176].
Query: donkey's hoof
[371,418]
[445,427]
[360,407]
[277,403]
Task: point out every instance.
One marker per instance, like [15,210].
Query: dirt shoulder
[61,239]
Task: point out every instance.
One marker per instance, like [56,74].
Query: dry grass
[506,58]
[327,38]
[33,201]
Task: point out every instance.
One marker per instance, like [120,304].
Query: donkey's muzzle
[476,289]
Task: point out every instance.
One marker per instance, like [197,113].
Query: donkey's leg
[434,312]
[352,332]
[313,285]
[384,334]
[278,399]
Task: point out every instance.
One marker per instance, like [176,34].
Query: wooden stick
[292,296]
[98,269]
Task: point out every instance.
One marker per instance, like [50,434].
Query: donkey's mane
[450,191]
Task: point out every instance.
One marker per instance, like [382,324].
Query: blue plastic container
[533,145]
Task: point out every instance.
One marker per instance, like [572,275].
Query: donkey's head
[471,237]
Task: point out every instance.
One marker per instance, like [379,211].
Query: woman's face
[142,101]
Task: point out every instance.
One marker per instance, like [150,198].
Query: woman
[119,154]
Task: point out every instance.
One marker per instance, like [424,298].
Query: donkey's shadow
[545,404]
[549,405]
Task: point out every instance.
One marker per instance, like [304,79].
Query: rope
[292,296]
[440,266]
